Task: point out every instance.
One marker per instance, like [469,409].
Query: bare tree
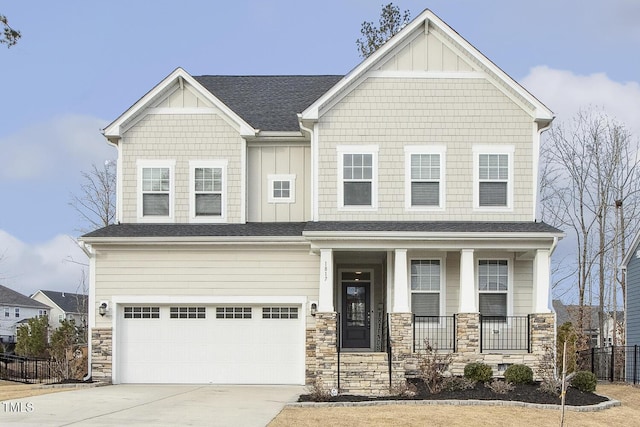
[9,36]
[391,22]
[96,203]
[588,168]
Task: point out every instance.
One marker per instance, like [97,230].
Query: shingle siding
[633,300]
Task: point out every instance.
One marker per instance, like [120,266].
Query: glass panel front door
[356,312]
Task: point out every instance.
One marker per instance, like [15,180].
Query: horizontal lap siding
[267,271]
[633,300]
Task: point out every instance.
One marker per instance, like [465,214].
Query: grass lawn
[466,416]
[10,390]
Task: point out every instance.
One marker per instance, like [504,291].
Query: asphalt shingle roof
[68,302]
[258,229]
[9,297]
[269,103]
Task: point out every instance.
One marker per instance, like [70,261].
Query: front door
[356,310]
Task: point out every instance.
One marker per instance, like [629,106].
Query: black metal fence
[615,363]
[26,369]
[436,331]
[505,333]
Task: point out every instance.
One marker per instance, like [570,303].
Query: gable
[182,96]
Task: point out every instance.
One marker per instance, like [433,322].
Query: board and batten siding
[278,159]
[396,112]
[181,138]
[268,270]
[633,300]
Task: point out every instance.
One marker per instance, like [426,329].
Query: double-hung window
[424,177]
[155,194]
[207,200]
[357,180]
[426,287]
[493,172]
[493,287]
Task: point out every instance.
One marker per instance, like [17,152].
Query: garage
[210,344]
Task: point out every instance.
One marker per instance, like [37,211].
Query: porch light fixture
[313,309]
[102,310]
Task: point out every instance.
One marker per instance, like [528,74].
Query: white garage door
[246,344]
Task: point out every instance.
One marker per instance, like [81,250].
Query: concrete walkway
[156,405]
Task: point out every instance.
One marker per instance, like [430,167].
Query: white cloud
[68,143]
[54,265]
[565,93]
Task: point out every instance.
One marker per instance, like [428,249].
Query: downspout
[88,250]
[536,166]
[313,167]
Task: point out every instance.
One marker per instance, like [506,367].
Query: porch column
[541,281]
[400,284]
[325,295]
[467,301]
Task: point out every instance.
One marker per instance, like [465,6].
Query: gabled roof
[9,297]
[427,17]
[67,302]
[268,103]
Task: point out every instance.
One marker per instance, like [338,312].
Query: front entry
[356,309]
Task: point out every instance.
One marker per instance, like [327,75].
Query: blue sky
[80,64]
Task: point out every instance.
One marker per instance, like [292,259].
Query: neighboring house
[64,306]
[14,308]
[269,226]
[631,263]
[590,323]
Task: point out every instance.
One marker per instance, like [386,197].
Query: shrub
[500,387]
[403,389]
[433,367]
[478,371]
[457,383]
[519,374]
[546,370]
[584,381]
[317,391]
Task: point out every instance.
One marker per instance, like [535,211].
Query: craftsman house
[273,229]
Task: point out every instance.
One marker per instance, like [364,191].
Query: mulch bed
[522,393]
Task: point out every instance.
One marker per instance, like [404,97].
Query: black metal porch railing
[505,333]
[26,369]
[437,331]
[614,363]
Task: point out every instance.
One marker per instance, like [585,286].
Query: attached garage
[199,343]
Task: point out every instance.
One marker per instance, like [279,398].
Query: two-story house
[64,306]
[273,229]
[15,310]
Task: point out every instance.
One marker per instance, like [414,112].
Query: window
[493,286]
[424,177]
[7,313]
[142,312]
[156,185]
[61,318]
[187,313]
[279,312]
[233,312]
[208,190]
[17,312]
[493,176]
[425,287]
[42,312]
[357,181]
[282,188]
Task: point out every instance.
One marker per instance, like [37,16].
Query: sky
[80,64]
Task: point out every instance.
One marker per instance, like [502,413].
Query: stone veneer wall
[310,355]
[326,352]
[101,354]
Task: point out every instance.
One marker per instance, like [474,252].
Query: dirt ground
[464,416]
[10,390]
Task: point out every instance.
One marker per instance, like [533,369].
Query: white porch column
[467,283]
[400,283]
[325,296]
[541,281]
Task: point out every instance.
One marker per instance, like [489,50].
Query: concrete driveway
[157,405]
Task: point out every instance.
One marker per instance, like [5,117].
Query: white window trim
[424,149]
[358,149]
[171,164]
[193,164]
[272,178]
[510,283]
[443,280]
[492,149]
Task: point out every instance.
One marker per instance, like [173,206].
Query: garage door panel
[211,350]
